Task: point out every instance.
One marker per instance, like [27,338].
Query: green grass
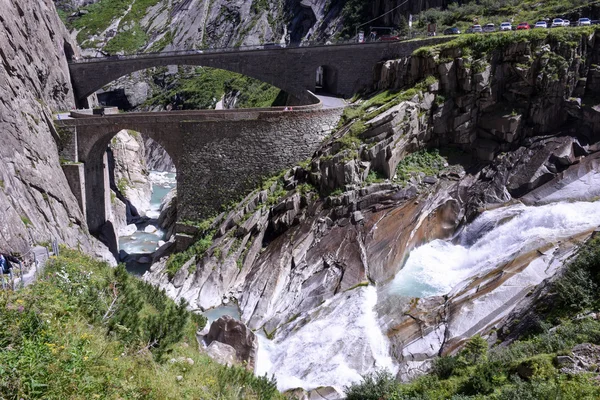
[206,86]
[498,11]
[122,185]
[128,42]
[60,339]
[99,17]
[198,249]
[479,45]
[429,162]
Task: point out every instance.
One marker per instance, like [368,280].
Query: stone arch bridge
[347,68]
[219,155]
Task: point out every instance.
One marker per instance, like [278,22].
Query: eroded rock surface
[38,204]
[238,336]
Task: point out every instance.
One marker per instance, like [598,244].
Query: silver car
[488,28]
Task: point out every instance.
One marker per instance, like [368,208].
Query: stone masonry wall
[224,160]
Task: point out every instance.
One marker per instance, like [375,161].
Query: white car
[541,24]
[566,22]
[557,23]
[584,22]
[506,26]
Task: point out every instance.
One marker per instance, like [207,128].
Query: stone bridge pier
[219,155]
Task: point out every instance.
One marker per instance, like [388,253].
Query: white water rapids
[342,340]
[492,239]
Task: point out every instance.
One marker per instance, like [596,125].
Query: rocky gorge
[450,195]
[349,241]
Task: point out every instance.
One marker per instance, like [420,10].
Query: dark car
[452,31]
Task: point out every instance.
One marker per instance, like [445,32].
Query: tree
[476,349]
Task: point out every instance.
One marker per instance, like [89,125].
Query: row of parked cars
[507,26]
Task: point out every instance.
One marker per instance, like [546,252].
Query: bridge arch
[92,143]
[94,75]
[291,69]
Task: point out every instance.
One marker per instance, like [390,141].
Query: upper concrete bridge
[347,68]
[219,155]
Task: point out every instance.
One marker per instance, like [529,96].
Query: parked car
[557,23]
[566,22]
[541,24]
[595,22]
[477,29]
[506,26]
[488,28]
[584,22]
[523,26]
[451,31]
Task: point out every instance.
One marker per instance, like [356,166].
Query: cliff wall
[37,204]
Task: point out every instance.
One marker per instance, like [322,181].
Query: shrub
[374,386]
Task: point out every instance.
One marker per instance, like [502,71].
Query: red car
[523,26]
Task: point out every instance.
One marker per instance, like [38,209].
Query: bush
[379,385]
[577,289]
[445,366]
[72,335]
[483,380]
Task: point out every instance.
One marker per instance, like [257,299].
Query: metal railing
[32,261]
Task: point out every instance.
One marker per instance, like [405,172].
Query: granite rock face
[234,333]
[38,204]
[129,172]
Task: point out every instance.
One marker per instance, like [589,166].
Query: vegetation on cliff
[85,330]
[526,369]
[466,14]
[203,87]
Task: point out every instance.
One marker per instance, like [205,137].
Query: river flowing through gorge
[507,250]
[146,239]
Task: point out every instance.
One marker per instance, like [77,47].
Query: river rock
[150,229]
[237,335]
[129,230]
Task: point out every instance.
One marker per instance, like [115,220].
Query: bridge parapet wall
[225,160]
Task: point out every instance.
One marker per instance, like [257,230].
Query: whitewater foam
[495,237]
[341,342]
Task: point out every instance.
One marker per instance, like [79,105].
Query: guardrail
[34,265]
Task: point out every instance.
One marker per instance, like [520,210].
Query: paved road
[38,253]
[331,101]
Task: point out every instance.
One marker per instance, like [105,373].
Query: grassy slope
[56,343]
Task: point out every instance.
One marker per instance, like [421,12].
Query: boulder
[222,353]
[236,334]
[128,230]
